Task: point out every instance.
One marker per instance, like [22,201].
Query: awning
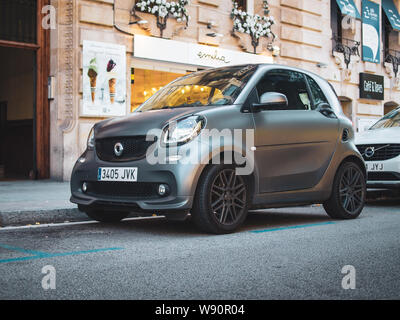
[391,13]
[348,8]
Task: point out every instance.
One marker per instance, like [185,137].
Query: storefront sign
[104,79]
[348,8]
[370,31]
[191,53]
[371,86]
[391,13]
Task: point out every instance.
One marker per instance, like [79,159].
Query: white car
[380,148]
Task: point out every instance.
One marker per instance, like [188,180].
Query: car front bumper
[140,196]
[384,174]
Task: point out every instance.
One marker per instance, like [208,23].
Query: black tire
[106,216]
[348,192]
[220,207]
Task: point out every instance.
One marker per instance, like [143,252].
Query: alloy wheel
[352,190]
[228,197]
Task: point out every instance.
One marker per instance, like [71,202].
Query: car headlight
[90,140]
[182,131]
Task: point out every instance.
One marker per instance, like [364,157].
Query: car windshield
[205,88]
[392,119]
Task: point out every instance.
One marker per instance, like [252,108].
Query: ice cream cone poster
[104,79]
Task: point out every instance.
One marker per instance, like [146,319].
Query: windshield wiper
[184,105]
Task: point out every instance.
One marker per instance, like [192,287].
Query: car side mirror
[271,101]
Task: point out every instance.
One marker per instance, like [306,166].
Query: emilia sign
[371,86]
[370,31]
[159,49]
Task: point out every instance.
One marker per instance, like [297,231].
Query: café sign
[371,86]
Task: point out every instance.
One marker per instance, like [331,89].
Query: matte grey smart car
[220,142]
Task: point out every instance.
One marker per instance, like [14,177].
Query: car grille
[382,151]
[123,189]
[383,176]
[134,148]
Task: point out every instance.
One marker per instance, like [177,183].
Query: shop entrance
[24,106]
[17,100]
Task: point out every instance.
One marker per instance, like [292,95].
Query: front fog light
[163,189]
[84,186]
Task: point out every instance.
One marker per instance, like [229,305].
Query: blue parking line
[36,253]
[43,255]
[293,227]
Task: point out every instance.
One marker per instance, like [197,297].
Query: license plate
[117,174]
[375,166]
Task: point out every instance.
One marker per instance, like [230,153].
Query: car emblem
[118,149]
[369,152]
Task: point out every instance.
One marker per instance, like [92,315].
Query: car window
[316,92]
[290,83]
[214,87]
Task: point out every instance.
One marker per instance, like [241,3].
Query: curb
[382,195]
[18,218]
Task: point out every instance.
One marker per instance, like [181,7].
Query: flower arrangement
[253,24]
[163,9]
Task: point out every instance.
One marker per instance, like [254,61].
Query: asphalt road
[292,253]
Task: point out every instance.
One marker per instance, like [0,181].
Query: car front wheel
[348,193]
[221,201]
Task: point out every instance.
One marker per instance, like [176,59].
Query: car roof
[273,66]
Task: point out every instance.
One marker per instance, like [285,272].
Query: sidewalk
[36,202]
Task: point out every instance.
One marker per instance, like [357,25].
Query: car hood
[378,136]
[139,123]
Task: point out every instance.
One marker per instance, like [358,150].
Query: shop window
[18,20]
[145,83]
[336,20]
[386,31]
[242,4]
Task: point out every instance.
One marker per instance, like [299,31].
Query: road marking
[61,224]
[37,253]
[43,255]
[293,227]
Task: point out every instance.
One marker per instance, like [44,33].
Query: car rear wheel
[348,193]
[106,216]
[221,201]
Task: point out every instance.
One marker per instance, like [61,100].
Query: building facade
[106,57]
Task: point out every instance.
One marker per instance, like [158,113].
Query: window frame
[255,92]
[336,20]
[313,100]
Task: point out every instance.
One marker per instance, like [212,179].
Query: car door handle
[326,110]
